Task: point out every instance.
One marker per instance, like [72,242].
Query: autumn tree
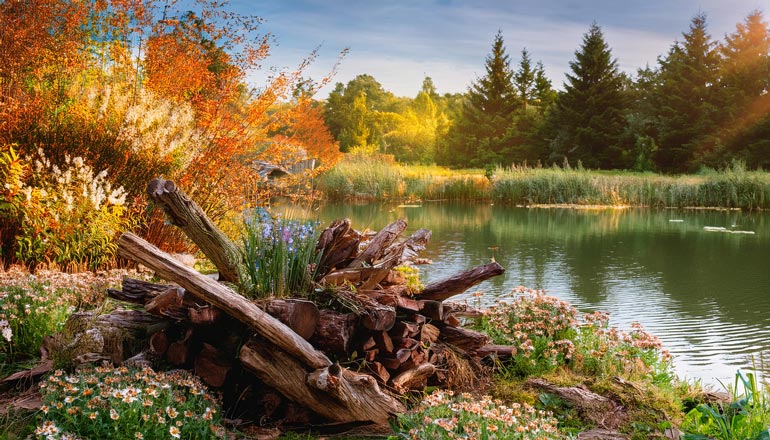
[589,115]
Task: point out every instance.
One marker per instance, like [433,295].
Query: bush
[541,327]
[118,403]
[70,216]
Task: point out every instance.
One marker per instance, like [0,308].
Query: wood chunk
[377,245]
[417,318]
[459,283]
[429,334]
[159,343]
[408,304]
[413,379]
[178,352]
[461,310]
[408,343]
[468,340]
[334,331]
[452,320]
[300,315]
[404,329]
[403,355]
[211,365]
[379,371]
[390,362]
[498,351]
[204,315]
[369,344]
[433,310]
[394,277]
[371,354]
[384,342]
[379,317]
[168,300]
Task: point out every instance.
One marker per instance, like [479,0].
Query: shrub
[70,216]
[278,255]
[122,403]
[541,327]
[442,415]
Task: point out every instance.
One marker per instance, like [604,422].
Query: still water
[705,293]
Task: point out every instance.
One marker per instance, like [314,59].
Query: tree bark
[299,314]
[135,248]
[377,245]
[332,392]
[188,216]
[456,284]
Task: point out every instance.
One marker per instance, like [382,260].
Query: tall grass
[381,179]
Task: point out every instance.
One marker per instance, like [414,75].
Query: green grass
[379,179]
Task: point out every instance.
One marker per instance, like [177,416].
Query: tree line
[704,104]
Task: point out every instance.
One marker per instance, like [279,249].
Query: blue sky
[399,42]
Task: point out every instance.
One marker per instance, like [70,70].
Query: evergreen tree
[589,114]
[745,83]
[478,136]
[686,101]
[524,79]
[544,92]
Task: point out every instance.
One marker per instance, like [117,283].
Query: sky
[399,42]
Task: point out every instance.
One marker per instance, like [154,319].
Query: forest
[704,104]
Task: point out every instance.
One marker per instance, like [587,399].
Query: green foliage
[685,101]
[747,417]
[70,216]
[27,315]
[588,119]
[13,169]
[279,255]
[121,403]
[412,275]
[604,351]
[442,415]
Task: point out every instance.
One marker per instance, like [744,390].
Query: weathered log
[403,329]
[159,343]
[188,216]
[459,283]
[334,332]
[135,248]
[338,244]
[203,315]
[409,249]
[137,291]
[379,371]
[162,303]
[300,315]
[211,365]
[358,276]
[332,392]
[469,341]
[378,317]
[433,310]
[599,409]
[178,352]
[415,378]
[377,245]
[498,351]
[85,337]
[384,342]
[461,310]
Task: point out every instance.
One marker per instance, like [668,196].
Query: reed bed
[379,178]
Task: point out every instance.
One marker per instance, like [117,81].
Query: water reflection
[705,294]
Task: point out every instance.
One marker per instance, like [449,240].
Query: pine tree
[524,79]
[686,101]
[589,114]
[479,135]
[745,83]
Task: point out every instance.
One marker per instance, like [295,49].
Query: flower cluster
[540,326]
[35,305]
[70,215]
[118,403]
[279,254]
[606,351]
[443,415]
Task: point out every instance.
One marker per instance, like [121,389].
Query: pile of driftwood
[278,357]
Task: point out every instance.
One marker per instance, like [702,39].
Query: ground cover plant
[122,403]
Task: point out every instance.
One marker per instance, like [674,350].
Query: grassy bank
[378,179]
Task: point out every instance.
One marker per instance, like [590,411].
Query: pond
[697,279]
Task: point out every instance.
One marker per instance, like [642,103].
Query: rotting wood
[459,283]
[135,248]
[334,393]
[184,213]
